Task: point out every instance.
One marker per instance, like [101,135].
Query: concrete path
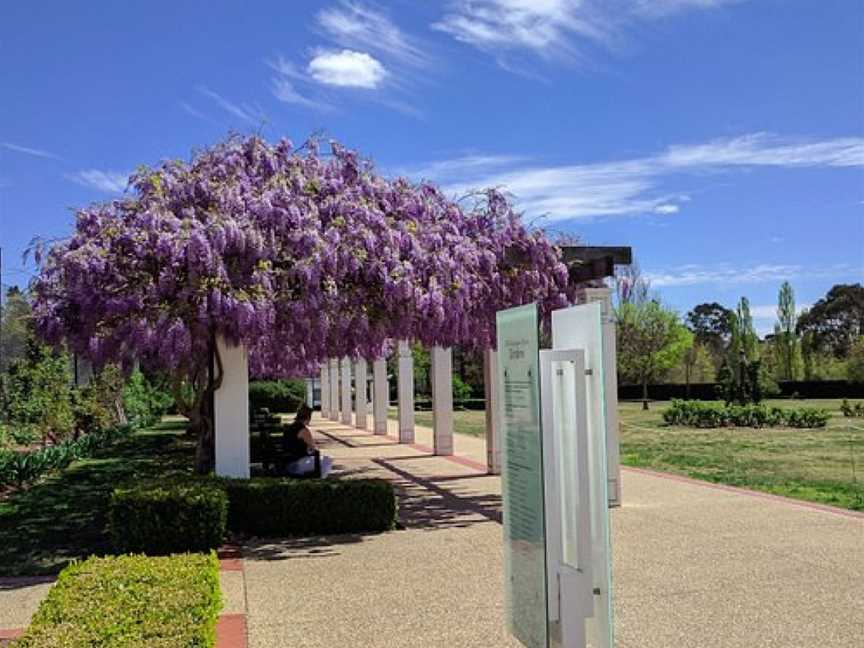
[694,565]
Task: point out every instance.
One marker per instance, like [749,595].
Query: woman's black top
[291,441]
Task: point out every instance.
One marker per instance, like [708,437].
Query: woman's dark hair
[304,413]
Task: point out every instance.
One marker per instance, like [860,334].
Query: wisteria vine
[298,255]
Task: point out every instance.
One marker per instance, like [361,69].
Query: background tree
[14,327]
[697,366]
[855,365]
[834,322]
[651,340]
[710,323]
[785,341]
[742,378]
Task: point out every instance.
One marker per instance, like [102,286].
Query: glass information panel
[580,327]
[522,475]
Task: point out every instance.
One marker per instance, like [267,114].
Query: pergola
[343,384]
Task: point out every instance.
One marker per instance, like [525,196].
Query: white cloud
[729,274]
[107,181]
[360,27]
[347,68]
[26,150]
[553,28]
[457,169]
[635,186]
[244,111]
[542,26]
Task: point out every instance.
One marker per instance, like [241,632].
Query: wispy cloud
[726,274]
[360,27]
[552,28]
[107,181]
[247,112]
[347,68]
[283,85]
[457,169]
[636,186]
[26,150]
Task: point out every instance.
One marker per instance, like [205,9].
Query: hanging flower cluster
[299,256]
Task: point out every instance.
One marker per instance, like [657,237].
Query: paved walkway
[694,565]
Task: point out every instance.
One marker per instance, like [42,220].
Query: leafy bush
[38,397]
[20,468]
[461,389]
[160,518]
[849,410]
[277,395]
[144,402]
[289,507]
[130,602]
[700,414]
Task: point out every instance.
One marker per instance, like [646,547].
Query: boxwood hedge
[162,518]
[193,514]
[271,506]
[130,602]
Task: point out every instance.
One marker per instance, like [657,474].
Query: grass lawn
[820,465]
[470,422]
[64,516]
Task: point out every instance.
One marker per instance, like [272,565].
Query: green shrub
[700,414]
[461,389]
[143,401]
[20,468]
[157,518]
[277,395]
[130,602]
[292,507]
[849,410]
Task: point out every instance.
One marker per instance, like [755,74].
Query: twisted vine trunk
[194,394]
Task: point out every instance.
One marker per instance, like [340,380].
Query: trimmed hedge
[272,506]
[193,514]
[188,515]
[277,395]
[20,468]
[130,602]
[700,414]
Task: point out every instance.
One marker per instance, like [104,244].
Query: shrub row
[191,514]
[21,468]
[711,415]
[130,602]
[852,411]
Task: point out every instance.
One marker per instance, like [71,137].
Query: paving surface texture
[694,566]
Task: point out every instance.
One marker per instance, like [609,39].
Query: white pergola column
[334,389]
[442,400]
[310,392]
[360,396]
[325,390]
[231,412]
[610,389]
[406,393]
[380,396]
[493,435]
[345,386]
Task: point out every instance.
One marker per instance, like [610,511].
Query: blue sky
[722,139]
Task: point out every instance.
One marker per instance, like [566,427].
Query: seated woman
[298,442]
